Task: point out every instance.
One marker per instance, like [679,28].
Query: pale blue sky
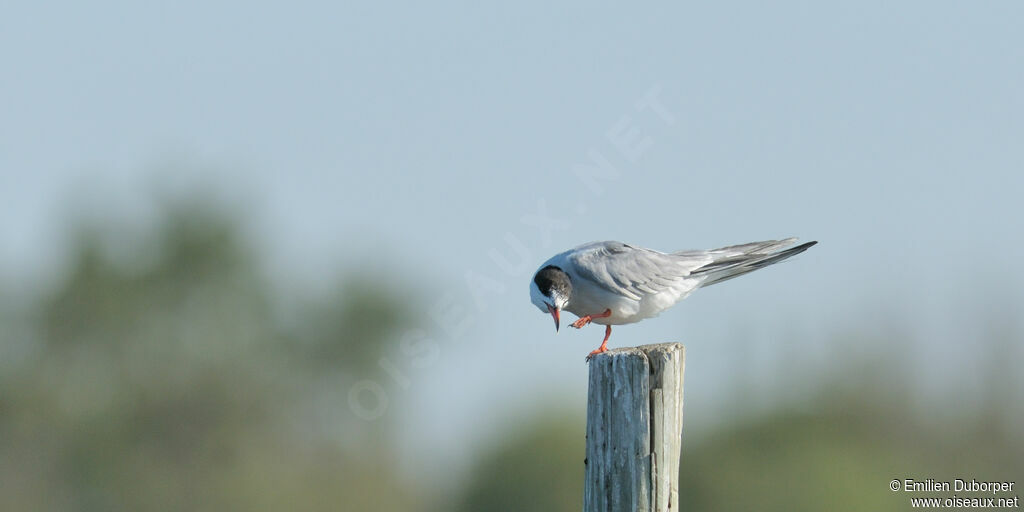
[890,133]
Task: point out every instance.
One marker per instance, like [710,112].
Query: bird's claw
[594,353]
[582,322]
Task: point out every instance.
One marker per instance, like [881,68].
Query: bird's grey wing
[732,251]
[729,262]
[630,271]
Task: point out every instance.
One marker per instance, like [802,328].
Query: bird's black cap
[552,278]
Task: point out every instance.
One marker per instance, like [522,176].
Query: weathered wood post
[634,429]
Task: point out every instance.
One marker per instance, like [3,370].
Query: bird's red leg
[584,320]
[604,344]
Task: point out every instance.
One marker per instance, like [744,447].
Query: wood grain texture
[634,429]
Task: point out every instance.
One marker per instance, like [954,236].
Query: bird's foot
[582,321]
[604,344]
[595,352]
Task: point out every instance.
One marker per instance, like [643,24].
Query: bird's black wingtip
[800,248]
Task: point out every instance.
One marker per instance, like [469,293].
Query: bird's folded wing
[633,272]
[765,247]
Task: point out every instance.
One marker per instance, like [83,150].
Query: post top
[644,349]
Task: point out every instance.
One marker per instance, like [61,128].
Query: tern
[612,283]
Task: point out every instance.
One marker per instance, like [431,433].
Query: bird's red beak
[554,314]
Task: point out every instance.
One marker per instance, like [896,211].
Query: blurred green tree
[169,383]
[539,467]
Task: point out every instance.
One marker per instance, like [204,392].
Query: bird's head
[550,291]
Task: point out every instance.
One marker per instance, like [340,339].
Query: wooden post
[634,429]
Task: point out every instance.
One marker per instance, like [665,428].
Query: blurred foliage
[177,381]
[540,468]
[172,385]
[836,451]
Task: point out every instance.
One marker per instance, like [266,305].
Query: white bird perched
[612,283]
